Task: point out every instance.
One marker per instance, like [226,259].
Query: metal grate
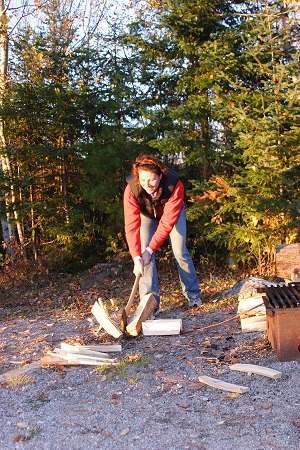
[280,297]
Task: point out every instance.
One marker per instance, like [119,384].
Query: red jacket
[132,218]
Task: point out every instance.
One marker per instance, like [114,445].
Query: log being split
[223,385]
[100,314]
[144,310]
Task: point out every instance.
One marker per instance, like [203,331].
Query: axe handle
[132,295]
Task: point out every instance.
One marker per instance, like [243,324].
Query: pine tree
[257,206]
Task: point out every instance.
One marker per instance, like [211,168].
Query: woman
[154,210]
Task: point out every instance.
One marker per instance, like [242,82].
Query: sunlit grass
[122,367]
[20,380]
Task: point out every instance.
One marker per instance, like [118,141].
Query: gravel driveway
[153,399]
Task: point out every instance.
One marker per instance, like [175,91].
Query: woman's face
[149,181]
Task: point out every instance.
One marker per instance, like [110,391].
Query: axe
[124,312]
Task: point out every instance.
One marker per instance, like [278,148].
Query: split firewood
[78,356]
[252,312]
[83,360]
[254,323]
[101,347]
[74,349]
[223,385]
[53,360]
[252,368]
[98,310]
[144,310]
[162,327]
[252,306]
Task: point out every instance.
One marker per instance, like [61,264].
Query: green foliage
[212,87]
[238,121]
[72,254]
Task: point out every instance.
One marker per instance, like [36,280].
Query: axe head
[122,319]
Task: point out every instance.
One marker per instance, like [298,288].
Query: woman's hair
[150,163]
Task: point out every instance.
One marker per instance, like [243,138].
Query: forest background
[212,87]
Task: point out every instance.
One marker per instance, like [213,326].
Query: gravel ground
[156,402]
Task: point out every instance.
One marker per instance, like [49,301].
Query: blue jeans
[186,270]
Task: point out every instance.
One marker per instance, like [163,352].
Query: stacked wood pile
[67,354]
[251,305]
[251,308]
[252,313]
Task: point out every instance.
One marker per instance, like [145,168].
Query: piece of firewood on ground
[223,385]
[54,360]
[107,348]
[162,327]
[81,359]
[259,370]
[74,349]
[80,356]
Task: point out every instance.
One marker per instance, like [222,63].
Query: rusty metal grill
[283,296]
[283,320]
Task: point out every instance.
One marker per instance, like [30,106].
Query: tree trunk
[10,230]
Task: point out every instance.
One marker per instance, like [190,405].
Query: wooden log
[144,310]
[76,356]
[77,359]
[27,369]
[74,349]
[288,261]
[255,323]
[162,327]
[252,312]
[223,385]
[252,306]
[53,360]
[101,347]
[101,315]
[259,370]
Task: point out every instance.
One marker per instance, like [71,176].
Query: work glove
[138,266]
[146,257]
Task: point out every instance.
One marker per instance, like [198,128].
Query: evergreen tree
[255,205]
[235,125]
[52,107]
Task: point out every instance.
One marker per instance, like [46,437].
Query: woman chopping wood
[154,210]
